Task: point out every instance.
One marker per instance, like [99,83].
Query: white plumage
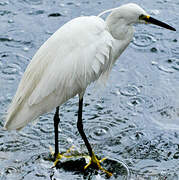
[79,53]
[73,57]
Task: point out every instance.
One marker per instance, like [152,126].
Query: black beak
[151,20]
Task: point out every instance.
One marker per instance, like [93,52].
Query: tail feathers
[18,117]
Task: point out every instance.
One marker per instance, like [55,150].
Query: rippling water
[135,120]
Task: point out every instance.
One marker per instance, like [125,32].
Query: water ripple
[141,102]
[15,145]
[175,50]
[33,2]
[167,117]
[12,41]
[101,130]
[143,40]
[169,66]
[165,69]
[67,128]
[130,90]
[36,12]
[4,12]
[4,3]
[5,39]
[32,135]
[11,69]
[175,64]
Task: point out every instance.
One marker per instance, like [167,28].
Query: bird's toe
[97,164]
[61,155]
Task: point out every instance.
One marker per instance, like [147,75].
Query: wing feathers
[83,65]
[73,57]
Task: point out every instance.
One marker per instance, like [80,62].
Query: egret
[82,51]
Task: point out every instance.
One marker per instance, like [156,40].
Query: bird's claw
[94,161]
[61,155]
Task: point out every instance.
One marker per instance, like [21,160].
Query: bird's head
[129,14]
[132,14]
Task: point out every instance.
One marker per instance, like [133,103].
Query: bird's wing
[68,61]
[73,57]
[81,56]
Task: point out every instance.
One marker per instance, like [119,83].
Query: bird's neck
[118,28]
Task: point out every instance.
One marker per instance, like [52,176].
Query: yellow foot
[61,155]
[94,161]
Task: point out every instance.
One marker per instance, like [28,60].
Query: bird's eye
[142,17]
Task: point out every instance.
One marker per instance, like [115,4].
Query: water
[135,119]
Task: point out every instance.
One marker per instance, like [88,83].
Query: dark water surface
[135,119]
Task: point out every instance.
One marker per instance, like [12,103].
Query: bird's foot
[95,162]
[61,155]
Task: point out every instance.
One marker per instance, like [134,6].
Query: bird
[80,52]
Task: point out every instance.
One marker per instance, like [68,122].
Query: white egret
[80,52]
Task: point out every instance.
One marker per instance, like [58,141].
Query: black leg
[80,127]
[56,122]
